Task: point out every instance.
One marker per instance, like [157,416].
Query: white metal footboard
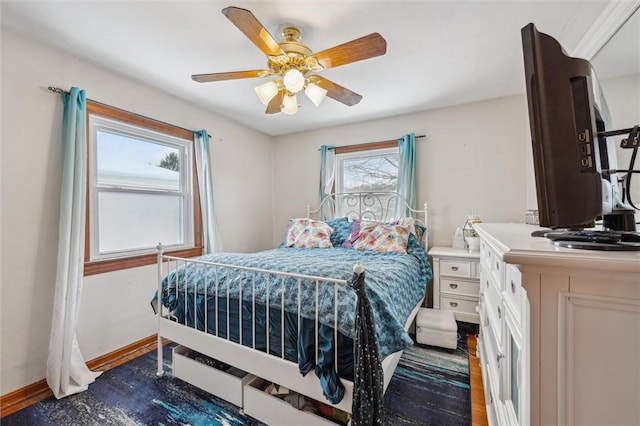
[248,358]
[258,361]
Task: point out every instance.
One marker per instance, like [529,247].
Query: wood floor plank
[478,407]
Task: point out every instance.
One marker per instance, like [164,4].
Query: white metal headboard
[378,206]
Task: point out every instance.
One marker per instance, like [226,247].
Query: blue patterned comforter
[394,284]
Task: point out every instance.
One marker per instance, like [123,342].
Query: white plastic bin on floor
[437,327]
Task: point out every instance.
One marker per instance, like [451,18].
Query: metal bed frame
[277,369]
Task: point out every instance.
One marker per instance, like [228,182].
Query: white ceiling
[439,53]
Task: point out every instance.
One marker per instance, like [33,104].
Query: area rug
[430,386]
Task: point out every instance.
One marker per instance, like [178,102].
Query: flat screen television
[574,163]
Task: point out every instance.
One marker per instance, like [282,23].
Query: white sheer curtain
[67,372]
[210,234]
[327,176]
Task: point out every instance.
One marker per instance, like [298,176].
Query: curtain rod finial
[53,89]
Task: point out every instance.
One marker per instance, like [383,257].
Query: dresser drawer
[486,253]
[514,293]
[493,313]
[455,268]
[491,262]
[457,305]
[489,287]
[459,287]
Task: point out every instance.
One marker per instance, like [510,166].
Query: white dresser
[456,282]
[559,331]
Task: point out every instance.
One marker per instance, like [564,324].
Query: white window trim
[184,147]
[340,158]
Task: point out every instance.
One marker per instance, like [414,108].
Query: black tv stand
[595,240]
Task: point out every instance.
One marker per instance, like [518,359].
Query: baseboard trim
[35,392]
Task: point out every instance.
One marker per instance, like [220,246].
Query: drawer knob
[453,285]
[499,357]
[513,287]
[454,268]
[453,304]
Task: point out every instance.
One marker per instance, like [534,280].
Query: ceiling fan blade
[366,47]
[337,92]
[253,29]
[275,103]
[219,76]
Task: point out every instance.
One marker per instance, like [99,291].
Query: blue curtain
[67,372]
[210,235]
[327,175]
[406,186]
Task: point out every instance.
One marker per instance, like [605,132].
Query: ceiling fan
[294,65]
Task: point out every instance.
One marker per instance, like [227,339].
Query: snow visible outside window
[139,190]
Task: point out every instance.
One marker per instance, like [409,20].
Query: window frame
[357,151]
[194,245]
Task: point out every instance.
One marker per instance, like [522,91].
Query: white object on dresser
[456,285]
[559,332]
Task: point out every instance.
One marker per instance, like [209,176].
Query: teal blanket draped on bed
[395,283]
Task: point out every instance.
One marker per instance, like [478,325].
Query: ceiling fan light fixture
[315,93]
[293,80]
[289,104]
[266,91]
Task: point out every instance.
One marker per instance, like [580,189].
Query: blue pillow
[341,230]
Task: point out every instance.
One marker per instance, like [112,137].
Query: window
[141,190]
[367,168]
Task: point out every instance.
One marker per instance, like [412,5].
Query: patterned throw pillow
[409,223]
[420,231]
[382,237]
[308,233]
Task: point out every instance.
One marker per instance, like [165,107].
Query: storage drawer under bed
[275,411]
[226,382]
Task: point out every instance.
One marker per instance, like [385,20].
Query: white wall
[473,159]
[115,308]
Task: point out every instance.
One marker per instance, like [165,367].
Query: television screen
[572,159]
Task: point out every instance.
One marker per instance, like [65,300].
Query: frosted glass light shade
[289,104]
[315,93]
[293,80]
[266,91]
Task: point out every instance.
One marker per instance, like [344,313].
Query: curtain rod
[372,143]
[58,90]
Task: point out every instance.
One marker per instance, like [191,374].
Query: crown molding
[608,23]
